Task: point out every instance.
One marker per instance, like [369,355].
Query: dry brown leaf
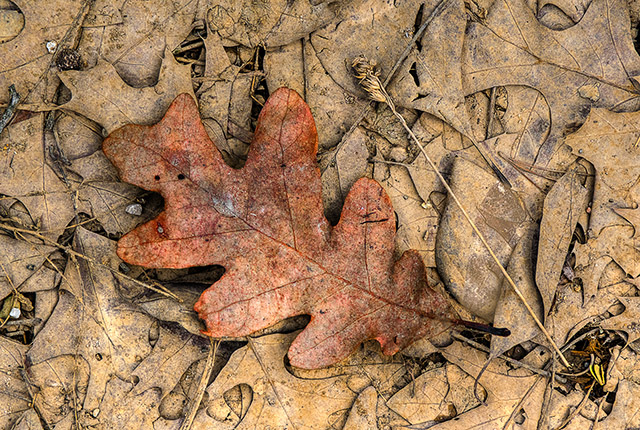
[463,262]
[100,193]
[30,420]
[278,397]
[25,60]
[90,322]
[625,413]
[27,174]
[608,140]
[273,23]
[334,108]
[225,103]
[590,64]
[14,396]
[363,412]
[417,222]
[20,261]
[437,395]
[570,313]
[96,341]
[430,79]
[168,309]
[344,166]
[509,392]
[379,32]
[510,311]
[136,46]
[563,206]
[284,67]
[100,94]
[628,321]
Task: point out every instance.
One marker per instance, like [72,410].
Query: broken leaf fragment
[265,224]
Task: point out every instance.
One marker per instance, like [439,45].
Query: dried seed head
[69,59]
[362,67]
[365,71]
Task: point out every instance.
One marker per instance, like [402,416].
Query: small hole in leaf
[181,176]
[413,71]
[157,178]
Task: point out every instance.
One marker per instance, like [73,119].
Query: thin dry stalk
[22,231]
[365,72]
[510,360]
[202,386]
[577,410]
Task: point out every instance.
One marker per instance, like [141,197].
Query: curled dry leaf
[265,224]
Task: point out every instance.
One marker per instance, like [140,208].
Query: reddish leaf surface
[265,224]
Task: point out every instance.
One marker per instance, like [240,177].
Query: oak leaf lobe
[265,224]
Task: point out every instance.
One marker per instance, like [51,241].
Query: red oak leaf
[265,224]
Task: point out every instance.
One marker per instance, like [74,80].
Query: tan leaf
[25,59]
[101,95]
[628,321]
[26,173]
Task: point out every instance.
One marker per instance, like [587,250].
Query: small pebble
[134,209]
[51,46]
[15,313]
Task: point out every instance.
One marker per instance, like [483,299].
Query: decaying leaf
[417,222]
[593,63]
[255,387]
[563,206]
[363,411]
[26,58]
[510,311]
[27,174]
[435,396]
[506,400]
[344,166]
[19,261]
[265,224]
[124,104]
[628,321]
[225,102]
[571,313]
[142,30]
[430,79]
[272,23]
[96,341]
[14,397]
[609,141]
[467,269]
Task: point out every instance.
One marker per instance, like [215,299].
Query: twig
[10,111]
[577,410]
[509,360]
[492,108]
[370,82]
[595,421]
[202,386]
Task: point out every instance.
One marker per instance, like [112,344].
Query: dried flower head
[365,71]
[69,59]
